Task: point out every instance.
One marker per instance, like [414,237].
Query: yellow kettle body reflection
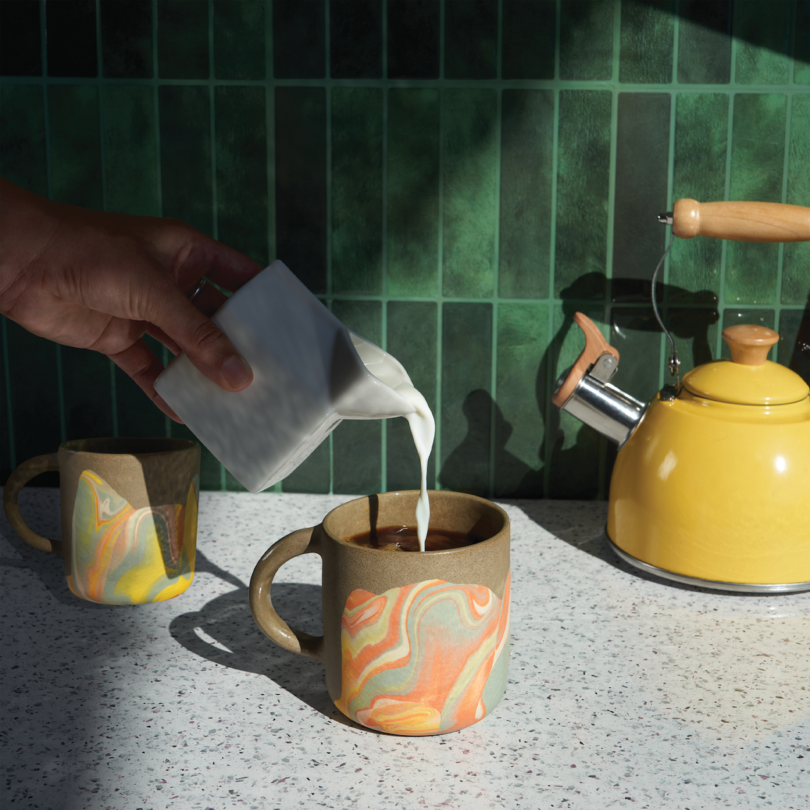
[716,491]
[711,484]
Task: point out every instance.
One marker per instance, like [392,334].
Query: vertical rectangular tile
[413,39]
[704,42]
[801,43]
[185,155]
[300,149]
[413,340]
[314,475]
[695,333]
[357,124]
[355,39]
[586,39]
[20,39]
[528,39]
[469,180]
[753,317]
[299,36]
[796,258]
[637,337]
[71,39]
[701,142]
[130,149]
[646,45]
[573,448]
[761,29]
[520,417]
[136,414]
[794,341]
[182,27]
[357,443]
[34,397]
[126,39]
[239,31]
[466,415]
[210,468]
[87,393]
[527,134]
[470,38]
[583,186]
[757,162]
[75,145]
[241,151]
[412,224]
[22,136]
[642,151]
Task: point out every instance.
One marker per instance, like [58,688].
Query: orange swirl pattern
[425,658]
[121,555]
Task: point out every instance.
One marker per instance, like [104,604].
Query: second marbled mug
[414,643]
[129,516]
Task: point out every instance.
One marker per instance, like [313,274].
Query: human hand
[101,281]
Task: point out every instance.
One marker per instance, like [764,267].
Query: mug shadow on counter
[223,631]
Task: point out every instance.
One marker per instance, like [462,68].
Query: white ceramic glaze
[309,373]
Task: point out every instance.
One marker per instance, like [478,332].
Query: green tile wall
[454,178]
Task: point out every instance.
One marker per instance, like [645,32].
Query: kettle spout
[585,390]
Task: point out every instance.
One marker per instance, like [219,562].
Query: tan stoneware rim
[170,445]
[415,492]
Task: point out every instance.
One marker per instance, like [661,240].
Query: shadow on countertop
[223,631]
[581,524]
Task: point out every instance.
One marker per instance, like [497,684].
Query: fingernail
[236,371]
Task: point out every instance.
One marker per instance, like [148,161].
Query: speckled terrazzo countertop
[624,691]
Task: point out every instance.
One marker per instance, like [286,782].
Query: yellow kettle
[711,484]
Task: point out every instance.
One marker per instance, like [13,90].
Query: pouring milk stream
[309,373]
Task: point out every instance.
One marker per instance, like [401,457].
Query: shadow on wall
[575,467]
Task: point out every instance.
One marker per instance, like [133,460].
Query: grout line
[493,361]
[437,441]
[328,90]
[721,303]
[12,445]
[384,235]
[270,135]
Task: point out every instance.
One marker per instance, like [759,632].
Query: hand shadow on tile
[223,631]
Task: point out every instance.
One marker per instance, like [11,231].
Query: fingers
[142,364]
[189,254]
[209,300]
[208,348]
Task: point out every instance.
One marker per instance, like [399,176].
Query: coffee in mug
[406,538]
[413,644]
[129,516]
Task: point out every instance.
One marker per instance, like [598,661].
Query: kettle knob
[749,344]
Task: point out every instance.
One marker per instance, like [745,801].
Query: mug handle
[17,480]
[303,541]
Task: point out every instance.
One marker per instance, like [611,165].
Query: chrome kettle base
[737,587]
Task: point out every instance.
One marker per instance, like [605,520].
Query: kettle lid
[749,378]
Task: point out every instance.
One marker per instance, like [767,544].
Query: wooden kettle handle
[741,221]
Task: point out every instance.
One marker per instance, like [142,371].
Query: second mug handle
[18,479]
[271,624]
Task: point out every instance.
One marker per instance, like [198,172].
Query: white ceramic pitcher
[309,373]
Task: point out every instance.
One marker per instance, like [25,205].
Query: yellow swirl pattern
[125,556]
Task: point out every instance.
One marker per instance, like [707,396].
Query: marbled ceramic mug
[414,643]
[129,516]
